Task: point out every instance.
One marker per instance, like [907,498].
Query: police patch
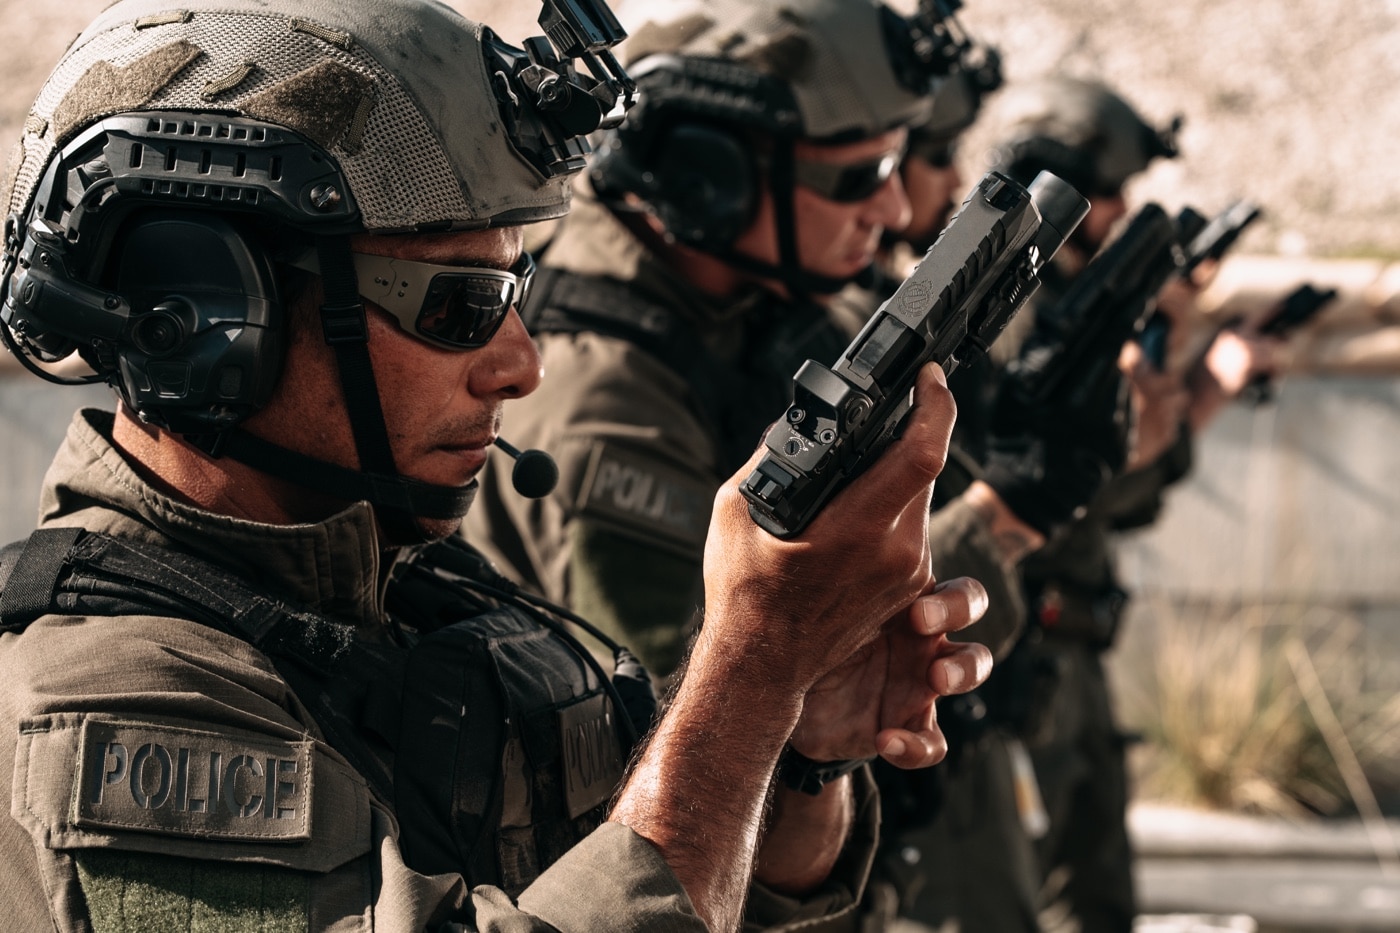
[187,782]
[647,497]
[592,760]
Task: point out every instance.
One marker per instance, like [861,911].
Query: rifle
[1200,241]
[973,279]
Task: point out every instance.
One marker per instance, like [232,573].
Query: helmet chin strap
[399,501]
[782,184]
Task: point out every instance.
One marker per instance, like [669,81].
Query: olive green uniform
[166,776]
[644,440]
[1074,743]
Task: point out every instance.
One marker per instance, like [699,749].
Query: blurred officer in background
[754,180]
[937,821]
[1053,691]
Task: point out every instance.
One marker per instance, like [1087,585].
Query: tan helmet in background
[1077,129]
[729,86]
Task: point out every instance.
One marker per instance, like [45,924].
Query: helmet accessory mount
[547,105]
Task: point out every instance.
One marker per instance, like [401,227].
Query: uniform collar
[331,567]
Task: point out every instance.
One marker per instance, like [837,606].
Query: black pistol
[1075,345]
[1215,240]
[1059,421]
[1200,240]
[971,282]
[1300,306]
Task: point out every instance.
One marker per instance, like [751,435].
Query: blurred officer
[1053,690]
[753,181]
[953,853]
[243,674]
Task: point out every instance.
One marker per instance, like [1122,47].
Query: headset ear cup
[703,189]
[204,344]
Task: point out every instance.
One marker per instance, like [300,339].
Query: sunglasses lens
[463,309]
[859,182]
[940,156]
[848,183]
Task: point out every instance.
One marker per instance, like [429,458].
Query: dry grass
[1227,725]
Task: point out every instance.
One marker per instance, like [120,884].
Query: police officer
[691,281]
[953,852]
[236,680]
[1053,691]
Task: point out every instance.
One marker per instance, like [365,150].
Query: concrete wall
[1295,501]
[33,418]
[1291,518]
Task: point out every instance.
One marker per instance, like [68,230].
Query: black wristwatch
[799,772]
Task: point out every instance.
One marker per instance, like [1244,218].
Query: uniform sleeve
[166,778]
[1134,500]
[837,905]
[962,546]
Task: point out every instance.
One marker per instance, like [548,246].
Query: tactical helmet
[957,102]
[209,137]
[727,87]
[1079,130]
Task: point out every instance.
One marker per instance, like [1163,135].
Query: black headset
[691,147]
[185,319]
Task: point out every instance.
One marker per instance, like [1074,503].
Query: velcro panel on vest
[137,892]
[499,770]
[646,498]
[88,781]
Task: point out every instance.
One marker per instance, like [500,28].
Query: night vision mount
[548,106]
[932,45]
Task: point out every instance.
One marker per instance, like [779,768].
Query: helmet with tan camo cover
[727,87]
[182,149]
[1077,129]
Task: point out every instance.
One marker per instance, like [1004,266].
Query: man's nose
[889,206]
[509,365]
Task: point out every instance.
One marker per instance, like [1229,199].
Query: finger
[962,669]
[951,607]
[904,748]
[905,471]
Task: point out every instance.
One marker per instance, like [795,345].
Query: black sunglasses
[936,151]
[457,307]
[847,183]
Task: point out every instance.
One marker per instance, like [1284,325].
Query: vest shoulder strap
[29,574]
[569,303]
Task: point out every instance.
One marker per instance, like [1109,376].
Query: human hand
[791,610]
[1047,458]
[880,701]
[1159,403]
[1238,357]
